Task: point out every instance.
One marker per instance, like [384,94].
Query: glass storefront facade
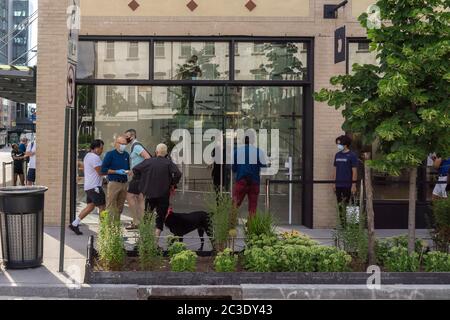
[261,86]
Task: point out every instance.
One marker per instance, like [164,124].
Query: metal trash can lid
[12,191]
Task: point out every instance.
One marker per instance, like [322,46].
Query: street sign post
[73,11]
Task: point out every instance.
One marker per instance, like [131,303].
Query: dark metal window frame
[307,85]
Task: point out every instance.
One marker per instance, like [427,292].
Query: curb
[240,292]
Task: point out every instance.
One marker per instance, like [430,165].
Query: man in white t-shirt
[95,196]
[31,153]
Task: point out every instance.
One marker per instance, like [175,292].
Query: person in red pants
[248,161]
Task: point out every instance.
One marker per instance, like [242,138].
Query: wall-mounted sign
[339,45]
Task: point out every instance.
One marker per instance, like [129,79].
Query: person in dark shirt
[116,165]
[443,167]
[157,176]
[18,157]
[247,164]
[346,173]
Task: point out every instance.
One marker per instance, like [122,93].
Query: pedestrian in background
[248,161]
[136,200]
[18,157]
[158,175]
[443,167]
[95,196]
[31,154]
[116,165]
[346,170]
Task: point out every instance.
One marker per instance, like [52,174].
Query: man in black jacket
[157,176]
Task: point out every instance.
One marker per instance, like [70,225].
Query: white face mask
[122,147]
[340,147]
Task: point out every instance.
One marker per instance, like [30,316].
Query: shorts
[343,195]
[18,168]
[133,186]
[31,176]
[96,196]
[440,188]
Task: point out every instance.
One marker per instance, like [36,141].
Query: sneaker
[75,229]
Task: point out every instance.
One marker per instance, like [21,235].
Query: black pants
[343,195]
[162,205]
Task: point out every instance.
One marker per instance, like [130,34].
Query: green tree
[403,103]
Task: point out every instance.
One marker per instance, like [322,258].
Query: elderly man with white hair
[157,176]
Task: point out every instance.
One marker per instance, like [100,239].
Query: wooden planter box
[149,278]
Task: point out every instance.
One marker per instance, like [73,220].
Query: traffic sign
[71,72]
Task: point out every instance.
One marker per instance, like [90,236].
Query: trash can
[22,226]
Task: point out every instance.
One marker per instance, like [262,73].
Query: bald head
[120,141]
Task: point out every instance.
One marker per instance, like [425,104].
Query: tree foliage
[403,103]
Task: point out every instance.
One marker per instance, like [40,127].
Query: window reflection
[271,61]
[191,60]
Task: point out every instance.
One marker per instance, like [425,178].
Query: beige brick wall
[51,85]
[51,97]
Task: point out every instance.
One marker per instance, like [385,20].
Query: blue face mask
[340,147]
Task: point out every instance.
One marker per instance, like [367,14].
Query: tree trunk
[369,211]
[412,210]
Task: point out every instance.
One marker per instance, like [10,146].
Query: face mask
[122,147]
[129,140]
[340,147]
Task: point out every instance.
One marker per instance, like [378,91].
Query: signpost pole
[64,189]
[72,59]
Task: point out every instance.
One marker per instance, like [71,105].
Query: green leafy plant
[331,259]
[283,257]
[296,238]
[260,241]
[382,247]
[149,253]
[223,219]
[437,262]
[110,242]
[351,234]
[175,248]
[261,223]
[185,261]
[225,261]
[401,104]
[399,260]
[441,232]
[297,258]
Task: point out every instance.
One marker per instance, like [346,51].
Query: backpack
[140,144]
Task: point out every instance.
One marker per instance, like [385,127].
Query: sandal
[131,226]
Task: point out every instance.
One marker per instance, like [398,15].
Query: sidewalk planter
[150,278]
[22,226]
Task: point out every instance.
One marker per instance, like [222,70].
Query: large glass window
[271,61]
[157,111]
[113,60]
[192,60]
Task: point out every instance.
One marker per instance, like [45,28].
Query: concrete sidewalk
[46,281]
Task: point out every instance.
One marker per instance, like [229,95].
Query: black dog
[181,224]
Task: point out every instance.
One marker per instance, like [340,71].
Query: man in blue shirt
[135,198]
[116,165]
[247,164]
[346,173]
[443,167]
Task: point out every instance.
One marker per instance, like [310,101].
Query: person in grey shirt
[157,176]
